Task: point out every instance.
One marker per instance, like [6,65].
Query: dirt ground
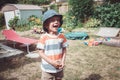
[19,67]
[82,63]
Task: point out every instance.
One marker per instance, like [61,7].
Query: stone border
[9,51]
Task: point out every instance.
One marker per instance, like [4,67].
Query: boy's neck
[53,33]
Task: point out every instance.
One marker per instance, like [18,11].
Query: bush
[54,6]
[69,22]
[35,2]
[92,23]
[108,14]
[33,20]
[2,20]
[13,22]
[80,9]
[113,1]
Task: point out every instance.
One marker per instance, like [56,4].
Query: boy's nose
[56,20]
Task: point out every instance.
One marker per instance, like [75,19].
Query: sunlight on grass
[82,63]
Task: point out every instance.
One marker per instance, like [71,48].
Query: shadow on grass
[17,61]
[2,78]
[93,77]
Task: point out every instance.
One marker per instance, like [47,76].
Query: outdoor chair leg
[14,44]
[28,51]
[31,54]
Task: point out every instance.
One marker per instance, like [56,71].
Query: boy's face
[53,24]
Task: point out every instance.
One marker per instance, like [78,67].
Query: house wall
[22,14]
[25,14]
[8,16]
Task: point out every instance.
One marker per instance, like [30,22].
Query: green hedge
[108,14]
[80,9]
[2,20]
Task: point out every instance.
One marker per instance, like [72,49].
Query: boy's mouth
[55,26]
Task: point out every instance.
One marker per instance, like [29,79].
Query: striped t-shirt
[52,47]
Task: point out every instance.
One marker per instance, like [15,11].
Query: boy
[52,47]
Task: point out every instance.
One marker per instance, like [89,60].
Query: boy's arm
[43,56]
[63,58]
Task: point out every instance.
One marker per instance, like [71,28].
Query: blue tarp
[76,35]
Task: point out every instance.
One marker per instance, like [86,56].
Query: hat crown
[48,14]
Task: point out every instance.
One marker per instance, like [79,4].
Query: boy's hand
[57,64]
[61,65]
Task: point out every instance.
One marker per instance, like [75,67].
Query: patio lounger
[13,36]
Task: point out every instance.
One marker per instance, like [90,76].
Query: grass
[100,62]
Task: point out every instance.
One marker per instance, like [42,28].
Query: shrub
[33,20]
[80,9]
[108,14]
[92,23]
[13,22]
[113,1]
[2,20]
[54,6]
[35,2]
[69,22]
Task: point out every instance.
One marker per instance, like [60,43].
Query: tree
[113,1]
[80,9]
[35,2]
[3,2]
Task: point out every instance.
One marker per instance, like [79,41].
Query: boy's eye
[54,19]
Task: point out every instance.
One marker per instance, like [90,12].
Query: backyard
[82,62]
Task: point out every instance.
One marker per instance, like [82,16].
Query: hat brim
[61,21]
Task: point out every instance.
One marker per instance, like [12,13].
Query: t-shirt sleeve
[41,42]
[65,42]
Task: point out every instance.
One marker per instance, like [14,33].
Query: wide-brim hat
[49,14]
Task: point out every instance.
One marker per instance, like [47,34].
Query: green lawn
[100,62]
